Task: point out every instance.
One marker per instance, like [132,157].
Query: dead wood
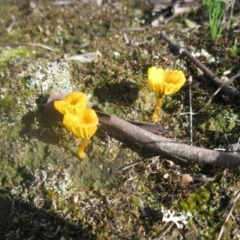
[105,122]
[50,112]
[27,45]
[210,75]
[173,148]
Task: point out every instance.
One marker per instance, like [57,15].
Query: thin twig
[131,41]
[162,236]
[190,111]
[173,148]
[27,45]
[226,89]
[63,2]
[232,204]
[211,97]
[9,28]
[129,166]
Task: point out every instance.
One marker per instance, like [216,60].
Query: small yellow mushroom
[77,118]
[72,103]
[83,125]
[164,83]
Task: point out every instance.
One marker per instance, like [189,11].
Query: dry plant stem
[162,236]
[27,45]
[226,89]
[190,111]
[171,147]
[232,204]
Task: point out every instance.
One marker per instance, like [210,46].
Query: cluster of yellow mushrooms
[78,119]
[83,121]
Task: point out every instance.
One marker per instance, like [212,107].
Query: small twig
[232,204]
[162,236]
[141,205]
[226,89]
[27,45]
[131,41]
[211,97]
[190,111]
[9,28]
[129,166]
[173,148]
[133,29]
[64,2]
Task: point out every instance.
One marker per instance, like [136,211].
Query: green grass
[216,9]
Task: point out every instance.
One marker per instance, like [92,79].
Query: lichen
[49,76]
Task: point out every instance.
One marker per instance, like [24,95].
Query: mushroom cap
[72,103]
[83,125]
[165,82]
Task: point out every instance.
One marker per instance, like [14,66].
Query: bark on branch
[217,81]
[148,135]
[171,147]
[27,45]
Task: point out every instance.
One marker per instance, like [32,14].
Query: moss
[222,120]
[196,201]
[135,200]
[7,55]
[8,107]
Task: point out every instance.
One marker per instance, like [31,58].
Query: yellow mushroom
[83,125]
[164,83]
[72,103]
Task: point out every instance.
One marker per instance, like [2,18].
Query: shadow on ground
[28,222]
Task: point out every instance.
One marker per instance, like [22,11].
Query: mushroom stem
[155,116]
[82,147]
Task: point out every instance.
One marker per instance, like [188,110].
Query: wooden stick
[232,204]
[226,89]
[173,148]
[52,114]
[104,121]
[27,45]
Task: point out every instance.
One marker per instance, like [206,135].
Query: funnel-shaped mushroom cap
[165,82]
[72,103]
[83,125]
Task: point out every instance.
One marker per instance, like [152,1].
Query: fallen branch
[148,135]
[170,147]
[52,114]
[226,89]
[27,45]
[105,122]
